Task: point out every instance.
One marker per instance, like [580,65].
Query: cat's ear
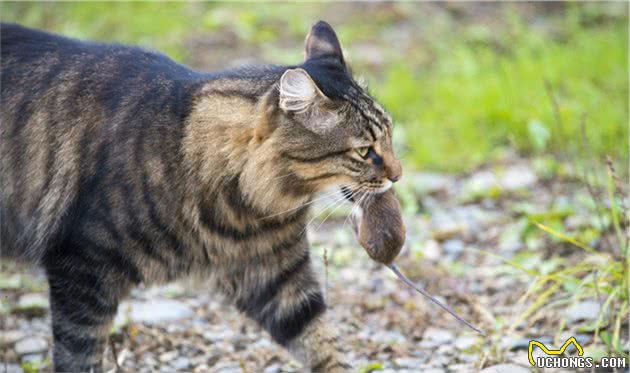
[298,91]
[322,41]
[300,95]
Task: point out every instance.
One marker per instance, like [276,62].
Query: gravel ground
[456,226]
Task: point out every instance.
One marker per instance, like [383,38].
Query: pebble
[31,345]
[438,335]
[439,361]
[429,183]
[465,342]
[181,363]
[462,368]
[518,177]
[11,368]
[453,248]
[32,304]
[168,356]
[480,183]
[503,368]
[510,238]
[434,370]
[517,343]
[389,337]
[586,310]
[443,230]
[431,250]
[153,312]
[10,337]
[228,367]
[201,368]
[405,362]
[32,358]
[273,368]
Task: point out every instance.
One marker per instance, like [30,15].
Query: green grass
[462,96]
[485,92]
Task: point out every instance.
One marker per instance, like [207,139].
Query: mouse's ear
[321,42]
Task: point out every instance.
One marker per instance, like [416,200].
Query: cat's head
[331,132]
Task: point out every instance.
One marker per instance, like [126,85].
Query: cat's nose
[394,171]
[394,178]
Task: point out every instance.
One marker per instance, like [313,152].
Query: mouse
[380,230]
[379,226]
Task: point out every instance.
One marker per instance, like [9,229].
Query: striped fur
[119,167]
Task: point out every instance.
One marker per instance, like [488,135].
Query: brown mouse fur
[380,228]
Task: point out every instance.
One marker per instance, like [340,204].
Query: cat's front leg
[319,348]
[86,284]
[287,301]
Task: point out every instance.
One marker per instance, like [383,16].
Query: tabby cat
[119,166]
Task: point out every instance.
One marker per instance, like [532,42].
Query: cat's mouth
[365,188]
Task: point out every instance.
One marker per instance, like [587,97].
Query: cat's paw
[333,367]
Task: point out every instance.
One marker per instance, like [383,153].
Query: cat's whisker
[332,212]
[324,196]
[359,203]
[354,206]
[352,195]
[323,210]
[277,177]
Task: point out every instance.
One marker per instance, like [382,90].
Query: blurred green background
[466,82]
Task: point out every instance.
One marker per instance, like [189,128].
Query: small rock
[510,240]
[405,362]
[32,358]
[465,342]
[586,339]
[11,282]
[453,248]
[575,222]
[218,336]
[431,250]
[10,337]
[462,368]
[153,312]
[517,343]
[32,304]
[228,367]
[444,230]
[11,368]
[168,356]
[438,335]
[469,358]
[439,361]
[429,183]
[389,337]
[273,368]
[502,368]
[480,183]
[586,310]
[31,345]
[181,363]
[149,361]
[518,177]
[201,368]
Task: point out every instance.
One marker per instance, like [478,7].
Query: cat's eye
[362,151]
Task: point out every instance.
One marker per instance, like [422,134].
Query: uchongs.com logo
[555,358]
